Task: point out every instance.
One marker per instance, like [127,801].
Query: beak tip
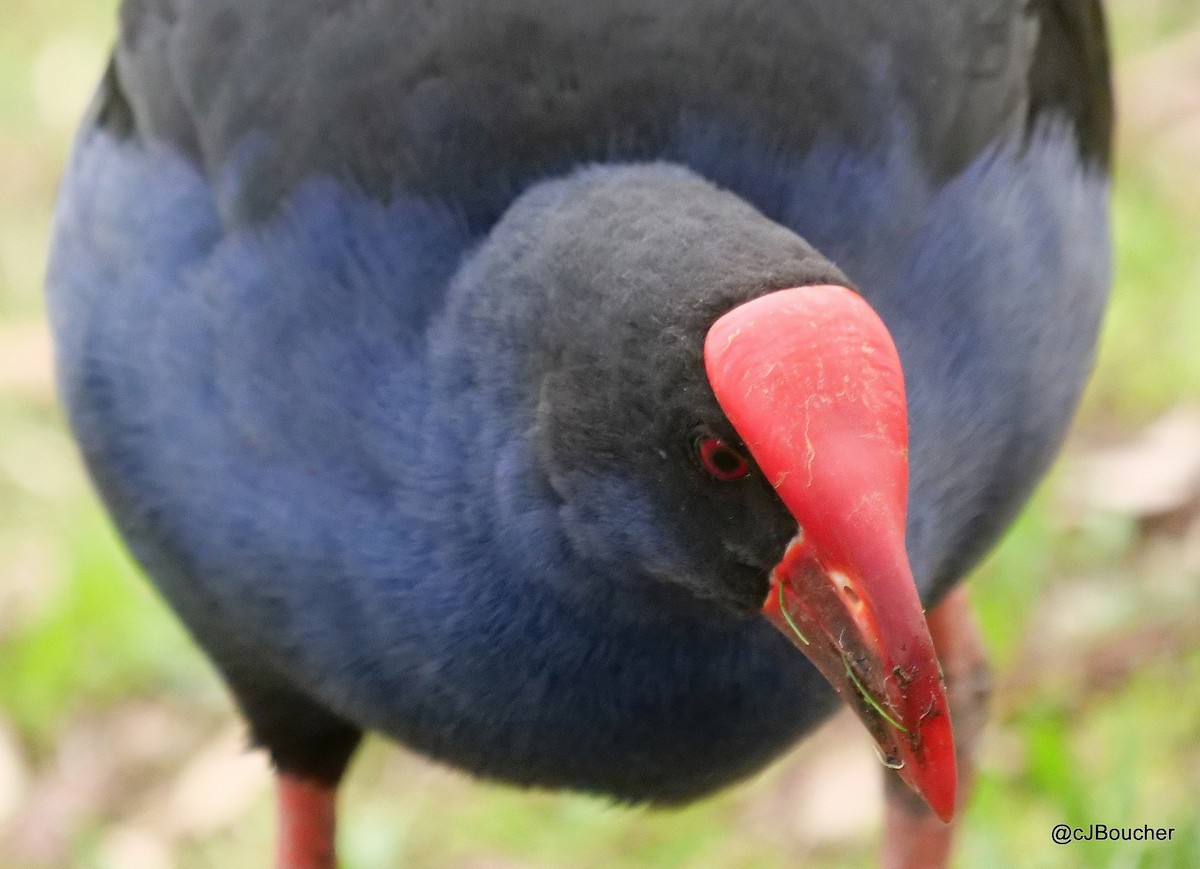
[944,808]
[935,773]
[942,802]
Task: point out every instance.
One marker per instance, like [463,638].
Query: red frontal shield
[811,380]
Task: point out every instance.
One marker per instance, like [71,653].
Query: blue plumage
[317,432]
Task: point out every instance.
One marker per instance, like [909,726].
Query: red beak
[811,381]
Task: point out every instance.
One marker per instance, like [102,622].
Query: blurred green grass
[1099,723]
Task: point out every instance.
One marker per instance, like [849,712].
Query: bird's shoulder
[466,100]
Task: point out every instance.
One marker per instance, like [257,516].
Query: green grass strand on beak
[787,617]
[871,701]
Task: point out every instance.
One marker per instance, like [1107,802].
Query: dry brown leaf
[1155,474]
[216,787]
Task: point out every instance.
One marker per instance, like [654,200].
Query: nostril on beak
[846,589]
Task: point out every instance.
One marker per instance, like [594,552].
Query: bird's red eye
[720,459]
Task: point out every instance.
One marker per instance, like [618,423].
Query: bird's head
[716,410]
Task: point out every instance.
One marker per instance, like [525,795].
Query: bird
[589,396]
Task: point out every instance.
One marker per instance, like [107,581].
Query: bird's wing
[1070,73]
[454,98]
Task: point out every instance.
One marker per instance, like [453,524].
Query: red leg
[914,838]
[307,816]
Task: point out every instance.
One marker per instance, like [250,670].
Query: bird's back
[467,101]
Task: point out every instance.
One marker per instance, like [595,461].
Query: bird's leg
[914,838]
[307,821]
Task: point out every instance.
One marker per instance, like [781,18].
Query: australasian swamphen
[474,372]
